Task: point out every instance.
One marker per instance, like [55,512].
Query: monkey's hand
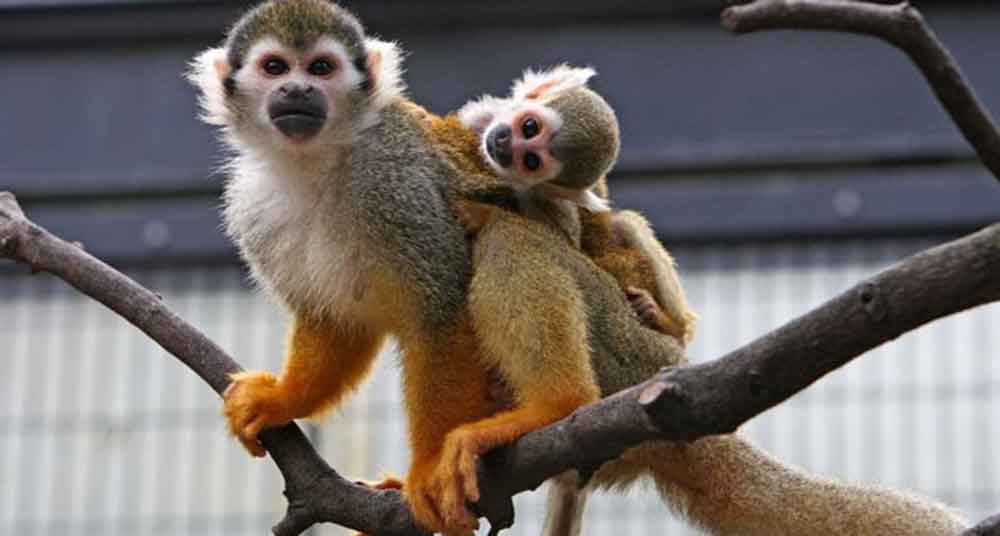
[252,403]
[474,215]
[455,483]
[651,315]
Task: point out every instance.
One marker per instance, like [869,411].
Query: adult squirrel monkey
[340,197]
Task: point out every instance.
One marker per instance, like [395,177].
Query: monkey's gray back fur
[318,241]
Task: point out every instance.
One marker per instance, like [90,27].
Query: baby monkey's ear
[535,85]
[478,114]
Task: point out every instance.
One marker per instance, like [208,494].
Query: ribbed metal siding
[102,433]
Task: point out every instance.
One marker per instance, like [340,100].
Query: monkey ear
[538,84]
[208,72]
[385,66]
[478,114]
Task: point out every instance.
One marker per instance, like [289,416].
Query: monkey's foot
[455,477]
[425,494]
[649,313]
[252,403]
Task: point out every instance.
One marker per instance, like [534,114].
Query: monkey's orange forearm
[324,361]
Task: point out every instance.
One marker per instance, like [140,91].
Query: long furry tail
[726,485]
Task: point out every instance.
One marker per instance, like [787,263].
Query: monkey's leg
[444,386]
[632,229]
[531,322]
[323,362]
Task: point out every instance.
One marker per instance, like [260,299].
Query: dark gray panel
[780,206]
[117,117]
[771,206]
[157,232]
[110,118]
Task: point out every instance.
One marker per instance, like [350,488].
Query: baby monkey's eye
[275,66]
[532,161]
[321,67]
[530,128]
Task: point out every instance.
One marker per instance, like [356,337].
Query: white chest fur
[298,239]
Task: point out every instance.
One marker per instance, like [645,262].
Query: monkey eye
[275,66]
[532,161]
[321,67]
[530,128]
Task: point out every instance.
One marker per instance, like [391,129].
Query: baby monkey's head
[553,133]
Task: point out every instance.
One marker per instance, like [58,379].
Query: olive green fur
[588,143]
[297,24]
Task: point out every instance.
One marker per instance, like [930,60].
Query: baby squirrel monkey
[555,137]
[340,197]
[723,484]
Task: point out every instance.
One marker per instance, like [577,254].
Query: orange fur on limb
[323,362]
[445,386]
[464,445]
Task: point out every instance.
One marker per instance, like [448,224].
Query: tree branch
[901,25]
[683,403]
[309,481]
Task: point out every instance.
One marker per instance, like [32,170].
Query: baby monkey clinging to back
[556,137]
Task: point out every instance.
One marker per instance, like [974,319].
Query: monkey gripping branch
[680,404]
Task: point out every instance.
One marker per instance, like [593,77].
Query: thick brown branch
[678,404]
[309,481]
[903,26]
[716,397]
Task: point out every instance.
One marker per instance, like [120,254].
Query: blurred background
[779,168]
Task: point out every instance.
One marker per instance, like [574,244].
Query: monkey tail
[726,485]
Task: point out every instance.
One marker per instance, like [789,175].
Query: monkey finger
[425,509]
[633,292]
[249,437]
[252,446]
[467,473]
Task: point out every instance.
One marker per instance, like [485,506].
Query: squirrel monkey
[723,484]
[340,197]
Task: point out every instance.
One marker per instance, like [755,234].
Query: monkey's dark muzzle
[299,115]
[498,145]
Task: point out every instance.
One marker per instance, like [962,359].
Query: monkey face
[518,144]
[297,95]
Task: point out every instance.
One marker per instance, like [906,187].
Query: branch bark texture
[678,404]
[902,26]
[314,490]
